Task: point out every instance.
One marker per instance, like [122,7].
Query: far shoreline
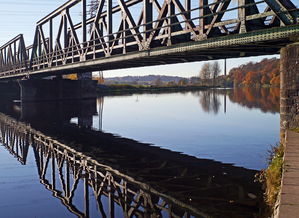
[120,89]
[123,89]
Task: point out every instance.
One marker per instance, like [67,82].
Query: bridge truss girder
[116,30]
[13,56]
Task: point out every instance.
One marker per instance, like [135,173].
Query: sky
[20,16]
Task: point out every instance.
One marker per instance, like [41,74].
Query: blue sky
[20,16]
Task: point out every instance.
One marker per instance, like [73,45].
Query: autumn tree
[171,83]
[254,74]
[206,71]
[253,78]
[265,79]
[275,81]
[71,76]
[249,78]
[183,82]
[93,6]
[238,77]
[215,69]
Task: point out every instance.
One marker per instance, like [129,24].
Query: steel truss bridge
[134,33]
[174,185]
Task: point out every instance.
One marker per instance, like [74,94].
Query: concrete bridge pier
[56,89]
[289,92]
[9,90]
[58,112]
[288,202]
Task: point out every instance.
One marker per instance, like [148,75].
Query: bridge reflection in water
[123,176]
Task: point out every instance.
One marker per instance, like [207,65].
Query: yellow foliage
[71,76]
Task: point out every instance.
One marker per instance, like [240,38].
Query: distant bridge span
[164,32]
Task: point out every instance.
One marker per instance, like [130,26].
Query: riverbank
[139,89]
[281,178]
[271,179]
[288,200]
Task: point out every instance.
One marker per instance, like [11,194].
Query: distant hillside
[149,79]
[265,72]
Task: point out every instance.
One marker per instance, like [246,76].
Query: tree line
[265,72]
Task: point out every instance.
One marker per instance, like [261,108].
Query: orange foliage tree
[265,72]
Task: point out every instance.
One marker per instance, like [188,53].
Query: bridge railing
[115,30]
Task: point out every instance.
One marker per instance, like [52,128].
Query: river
[192,154]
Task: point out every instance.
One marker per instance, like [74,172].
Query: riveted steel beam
[281,11]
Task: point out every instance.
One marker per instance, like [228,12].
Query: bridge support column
[59,112]
[9,90]
[56,89]
[289,88]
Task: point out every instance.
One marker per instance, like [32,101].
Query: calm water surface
[197,150]
[196,123]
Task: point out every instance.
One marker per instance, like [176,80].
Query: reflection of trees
[266,99]
[209,101]
[215,103]
[205,101]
